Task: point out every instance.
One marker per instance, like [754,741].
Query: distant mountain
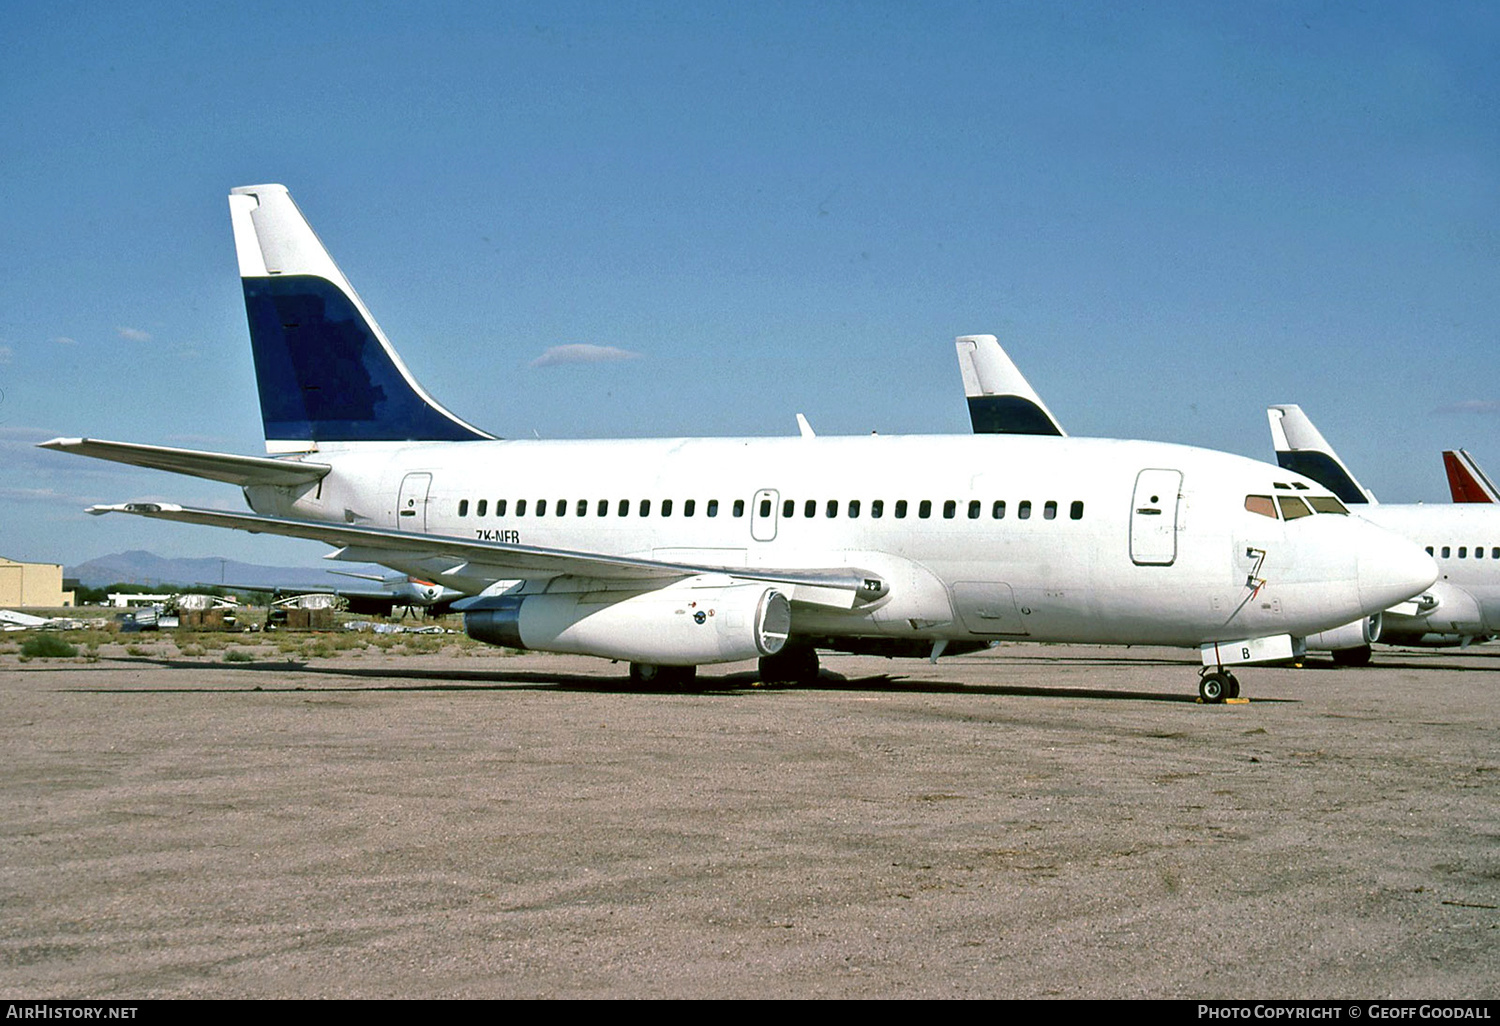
[141,567]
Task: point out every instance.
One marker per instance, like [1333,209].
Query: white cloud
[64,340]
[582,352]
[1487,406]
[134,334]
[5,354]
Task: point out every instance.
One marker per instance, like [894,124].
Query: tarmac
[1032,821]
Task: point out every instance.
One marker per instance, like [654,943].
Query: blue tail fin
[325,370]
[1302,449]
[1001,400]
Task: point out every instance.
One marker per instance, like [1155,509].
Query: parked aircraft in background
[1466,481]
[672,553]
[11,620]
[1463,605]
[1013,406]
[1001,400]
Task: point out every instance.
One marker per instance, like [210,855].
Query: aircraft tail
[1001,400]
[1302,449]
[1466,480]
[325,370]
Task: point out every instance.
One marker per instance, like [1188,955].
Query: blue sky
[1171,214]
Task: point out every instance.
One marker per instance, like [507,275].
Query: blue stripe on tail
[325,377]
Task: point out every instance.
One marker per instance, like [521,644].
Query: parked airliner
[673,553]
[1001,400]
[1464,603]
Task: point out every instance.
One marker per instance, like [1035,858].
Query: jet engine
[1360,633]
[699,620]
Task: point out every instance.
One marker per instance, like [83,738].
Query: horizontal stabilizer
[486,562]
[213,466]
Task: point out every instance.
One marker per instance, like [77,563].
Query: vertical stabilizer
[1302,449]
[325,370]
[1466,481]
[1001,400]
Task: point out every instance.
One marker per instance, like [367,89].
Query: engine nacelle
[1359,634]
[700,620]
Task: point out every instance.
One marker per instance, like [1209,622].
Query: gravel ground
[1028,822]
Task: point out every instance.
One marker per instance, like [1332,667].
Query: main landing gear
[1215,686]
[792,665]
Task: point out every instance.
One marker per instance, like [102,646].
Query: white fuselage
[1464,540]
[1097,540]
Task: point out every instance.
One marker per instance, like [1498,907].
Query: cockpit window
[1261,504]
[1326,504]
[1292,507]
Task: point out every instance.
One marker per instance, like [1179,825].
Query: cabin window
[541,507]
[603,509]
[833,507]
[765,507]
[481,506]
[1463,552]
[974,505]
[1326,504]
[1292,508]
[810,508]
[1429,550]
[877,508]
[688,506]
[562,507]
[997,511]
[924,508]
[583,507]
[1446,551]
[900,509]
[1261,504]
[645,507]
[520,507]
[949,508]
[1023,511]
[624,508]
[788,507]
[666,507]
[1049,510]
[463,507]
[1495,552]
[713,507]
[853,508]
[739,507]
[1075,511]
[499,507]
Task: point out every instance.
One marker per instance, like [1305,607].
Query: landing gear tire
[1214,687]
[1234,685]
[1359,656]
[662,678]
[790,666]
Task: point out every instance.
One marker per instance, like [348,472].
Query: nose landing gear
[1217,685]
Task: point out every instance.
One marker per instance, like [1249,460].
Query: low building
[32,584]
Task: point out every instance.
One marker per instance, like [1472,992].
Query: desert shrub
[239,655]
[47,646]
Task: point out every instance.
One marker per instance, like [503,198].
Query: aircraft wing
[488,562]
[215,466]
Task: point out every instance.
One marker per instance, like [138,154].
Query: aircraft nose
[1391,569]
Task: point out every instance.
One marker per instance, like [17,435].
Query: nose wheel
[1214,686]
